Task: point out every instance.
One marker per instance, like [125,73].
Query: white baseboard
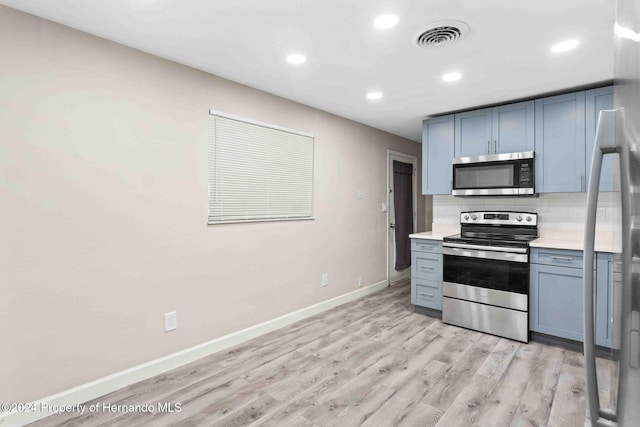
[102,386]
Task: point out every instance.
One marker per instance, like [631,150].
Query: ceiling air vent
[441,33]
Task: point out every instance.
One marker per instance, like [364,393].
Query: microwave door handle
[605,143]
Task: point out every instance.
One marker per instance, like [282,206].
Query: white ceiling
[506,55]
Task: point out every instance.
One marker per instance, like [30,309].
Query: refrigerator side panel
[627,97]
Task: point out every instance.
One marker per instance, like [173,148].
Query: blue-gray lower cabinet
[556,301]
[556,294]
[426,273]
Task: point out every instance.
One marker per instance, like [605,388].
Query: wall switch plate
[384,207]
[360,194]
[360,282]
[325,279]
[170,321]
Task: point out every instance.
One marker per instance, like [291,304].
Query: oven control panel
[499,218]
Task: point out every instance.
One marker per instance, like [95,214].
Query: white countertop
[574,240]
[428,235]
[552,239]
[439,231]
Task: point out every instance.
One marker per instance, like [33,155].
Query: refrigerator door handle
[605,143]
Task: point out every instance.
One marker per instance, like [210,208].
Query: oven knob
[519,218]
[474,217]
[466,217]
[528,218]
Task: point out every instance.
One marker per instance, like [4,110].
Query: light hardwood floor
[371,362]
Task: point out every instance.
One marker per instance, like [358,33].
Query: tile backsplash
[556,211]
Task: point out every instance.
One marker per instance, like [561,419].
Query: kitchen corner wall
[557,212]
[103,198]
[428,212]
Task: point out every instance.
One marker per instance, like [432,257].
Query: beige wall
[103,200]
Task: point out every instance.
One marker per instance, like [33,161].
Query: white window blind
[258,172]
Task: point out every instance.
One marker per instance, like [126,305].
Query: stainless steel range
[486,273]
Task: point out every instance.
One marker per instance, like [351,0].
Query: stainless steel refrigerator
[618,135]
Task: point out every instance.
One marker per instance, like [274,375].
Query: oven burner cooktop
[508,229]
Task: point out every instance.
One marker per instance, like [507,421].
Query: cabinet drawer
[557,257]
[423,245]
[426,265]
[426,293]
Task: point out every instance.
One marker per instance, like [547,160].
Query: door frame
[406,158]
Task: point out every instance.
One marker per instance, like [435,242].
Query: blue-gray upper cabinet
[597,100]
[437,154]
[504,129]
[473,133]
[560,143]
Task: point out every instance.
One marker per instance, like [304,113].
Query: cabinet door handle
[422,294]
[495,146]
[426,268]
[426,246]
[488,147]
[561,258]
[581,182]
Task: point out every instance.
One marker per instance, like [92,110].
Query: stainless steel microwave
[509,174]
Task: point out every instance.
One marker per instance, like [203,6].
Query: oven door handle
[484,248]
[485,254]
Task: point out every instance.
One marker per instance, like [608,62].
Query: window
[258,172]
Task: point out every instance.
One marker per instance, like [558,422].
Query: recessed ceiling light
[565,46]
[383,22]
[374,95]
[451,77]
[296,58]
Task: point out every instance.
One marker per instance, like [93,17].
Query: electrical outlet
[360,282]
[325,279]
[170,321]
[384,207]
